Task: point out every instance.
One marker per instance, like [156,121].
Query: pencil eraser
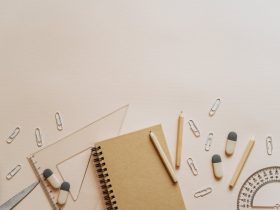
[51,178]
[231,143]
[63,193]
[217,166]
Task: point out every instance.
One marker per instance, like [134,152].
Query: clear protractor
[261,190]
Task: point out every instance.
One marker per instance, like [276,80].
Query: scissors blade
[10,204]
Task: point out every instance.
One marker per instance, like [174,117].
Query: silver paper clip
[13,172]
[203,193]
[192,166]
[12,137]
[194,129]
[58,120]
[209,141]
[269,145]
[38,137]
[215,107]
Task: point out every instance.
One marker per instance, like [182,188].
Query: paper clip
[203,193]
[38,137]
[12,137]
[269,145]
[192,166]
[13,172]
[215,107]
[58,120]
[209,141]
[194,129]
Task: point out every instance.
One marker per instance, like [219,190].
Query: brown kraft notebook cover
[133,175]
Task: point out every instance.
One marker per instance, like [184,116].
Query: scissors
[10,204]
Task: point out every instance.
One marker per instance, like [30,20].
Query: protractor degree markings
[254,183]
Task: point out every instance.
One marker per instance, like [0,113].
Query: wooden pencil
[241,163]
[163,157]
[179,139]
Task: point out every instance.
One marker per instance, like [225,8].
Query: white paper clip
[13,172]
[192,166]
[12,137]
[203,193]
[269,145]
[209,141]
[58,120]
[38,137]
[194,129]
[215,107]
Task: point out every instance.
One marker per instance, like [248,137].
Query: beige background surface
[87,58]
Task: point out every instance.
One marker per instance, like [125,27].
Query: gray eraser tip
[216,159]
[47,173]
[65,186]
[232,136]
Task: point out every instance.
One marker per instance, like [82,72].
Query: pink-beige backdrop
[87,58]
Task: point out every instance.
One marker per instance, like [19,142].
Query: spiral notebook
[132,174]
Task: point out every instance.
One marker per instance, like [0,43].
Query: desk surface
[86,58]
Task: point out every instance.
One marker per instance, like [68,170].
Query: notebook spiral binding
[102,173]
